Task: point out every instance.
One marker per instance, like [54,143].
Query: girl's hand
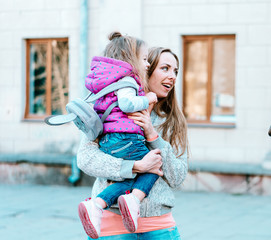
[151,97]
[151,163]
[143,120]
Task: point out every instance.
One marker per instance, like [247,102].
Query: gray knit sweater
[94,162]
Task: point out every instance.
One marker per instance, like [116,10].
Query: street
[30,212]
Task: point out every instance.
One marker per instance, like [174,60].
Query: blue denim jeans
[163,234]
[129,147]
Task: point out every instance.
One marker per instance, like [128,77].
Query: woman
[169,150]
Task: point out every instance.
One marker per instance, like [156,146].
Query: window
[209,79]
[47,77]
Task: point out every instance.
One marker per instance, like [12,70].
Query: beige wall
[160,23]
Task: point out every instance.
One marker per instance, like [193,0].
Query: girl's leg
[130,204]
[100,202]
[139,194]
[90,215]
[112,192]
[144,183]
[90,212]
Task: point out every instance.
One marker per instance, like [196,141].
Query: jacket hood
[105,71]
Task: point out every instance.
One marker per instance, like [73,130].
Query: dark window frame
[48,42]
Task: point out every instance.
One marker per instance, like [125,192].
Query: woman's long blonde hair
[127,49]
[174,129]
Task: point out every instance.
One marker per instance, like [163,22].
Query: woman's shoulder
[156,120]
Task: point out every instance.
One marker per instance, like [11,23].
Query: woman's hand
[143,120]
[151,163]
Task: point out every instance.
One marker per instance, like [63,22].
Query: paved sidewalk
[30,212]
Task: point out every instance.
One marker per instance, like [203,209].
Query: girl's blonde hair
[127,49]
[174,129]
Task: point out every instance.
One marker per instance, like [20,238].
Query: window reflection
[37,90]
[60,70]
[223,75]
[196,77]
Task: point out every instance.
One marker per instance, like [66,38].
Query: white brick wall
[248,13]
[33,19]
[250,22]
[252,56]
[208,14]
[160,23]
[259,34]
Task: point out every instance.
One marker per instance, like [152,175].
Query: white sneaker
[90,216]
[129,209]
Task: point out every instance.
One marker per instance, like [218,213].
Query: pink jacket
[105,71]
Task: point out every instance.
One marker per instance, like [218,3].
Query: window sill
[38,158]
[33,120]
[212,125]
[259,169]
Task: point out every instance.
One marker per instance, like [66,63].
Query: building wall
[34,19]
[160,23]
[250,21]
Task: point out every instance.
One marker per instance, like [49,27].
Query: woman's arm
[174,168]
[94,162]
[151,163]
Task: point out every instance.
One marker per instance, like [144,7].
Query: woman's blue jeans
[129,147]
[163,234]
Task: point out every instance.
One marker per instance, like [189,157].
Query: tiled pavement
[30,212]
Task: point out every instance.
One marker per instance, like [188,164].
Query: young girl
[123,56]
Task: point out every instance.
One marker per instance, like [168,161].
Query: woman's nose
[172,75]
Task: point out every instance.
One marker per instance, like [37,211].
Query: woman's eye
[165,68]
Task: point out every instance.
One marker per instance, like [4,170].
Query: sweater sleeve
[90,159]
[128,100]
[174,168]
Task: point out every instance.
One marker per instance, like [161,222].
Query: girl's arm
[94,162]
[129,102]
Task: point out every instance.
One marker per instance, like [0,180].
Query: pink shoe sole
[126,215]
[89,228]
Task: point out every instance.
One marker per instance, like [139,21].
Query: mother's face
[164,75]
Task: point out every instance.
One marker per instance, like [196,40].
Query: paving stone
[30,212]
